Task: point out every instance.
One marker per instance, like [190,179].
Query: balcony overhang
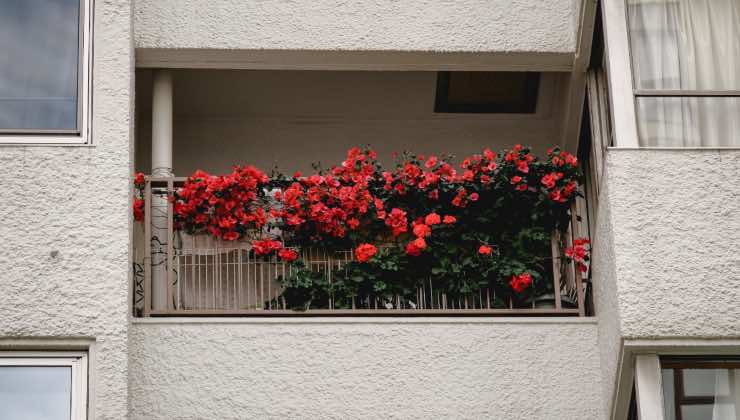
[352,60]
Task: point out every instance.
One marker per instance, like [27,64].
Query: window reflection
[39,64]
[35,392]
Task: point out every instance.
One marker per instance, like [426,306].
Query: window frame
[81,135]
[77,361]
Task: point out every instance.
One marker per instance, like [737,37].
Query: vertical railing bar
[147,248]
[556,269]
[170,236]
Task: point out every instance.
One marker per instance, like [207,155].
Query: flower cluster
[561,183]
[138,205]
[226,206]
[520,282]
[483,223]
[320,206]
[579,253]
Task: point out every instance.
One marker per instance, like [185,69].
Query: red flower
[516,179]
[412,249]
[449,220]
[521,187]
[287,254]
[266,246]
[421,230]
[364,252]
[521,282]
[138,209]
[139,180]
[522,166]
[396,220]
[485,250]
[231,236]
[432,219]
[431,162]
[549,180]
[474,197]
[420,243]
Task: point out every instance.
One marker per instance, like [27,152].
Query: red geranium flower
[231,236]
[287,254]
[485,250]
[364,252]
[266,246]
[138,209]
[448,220]
[396,220]
[412,249]
[432,219]
[521,282]
[139,180]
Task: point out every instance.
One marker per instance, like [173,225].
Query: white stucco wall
[366,368]
[676,221]
[75,200]
[409,25]
[666,261]
[606,296]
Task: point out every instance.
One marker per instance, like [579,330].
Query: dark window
[487,92]
[40,65]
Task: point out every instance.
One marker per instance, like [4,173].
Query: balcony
[195,275]
[290,119]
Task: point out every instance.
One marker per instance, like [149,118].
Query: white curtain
[686,45]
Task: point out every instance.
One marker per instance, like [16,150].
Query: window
[43,386]
[44,71]
[701,389]
[487,92]
[686,71]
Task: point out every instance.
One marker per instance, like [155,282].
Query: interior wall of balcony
[295,118]
[534,369]
[389,25]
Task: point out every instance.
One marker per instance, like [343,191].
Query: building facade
[106,317]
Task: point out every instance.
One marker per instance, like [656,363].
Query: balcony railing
[182,275]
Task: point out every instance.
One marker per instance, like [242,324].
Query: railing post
[575,233]
[147,248]
[556,264]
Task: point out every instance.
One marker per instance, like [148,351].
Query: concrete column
[161,167]
[162,123]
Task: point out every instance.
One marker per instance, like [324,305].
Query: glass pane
[35,392]
[698,412]
[705,382]
[685,44]
[689,122]
[39,40]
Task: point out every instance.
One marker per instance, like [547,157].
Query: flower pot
[547,301]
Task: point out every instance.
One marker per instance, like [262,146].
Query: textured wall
[75,200]
[522,369]
[676,221]
[605,296]
[409,25]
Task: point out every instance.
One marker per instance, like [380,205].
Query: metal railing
[181,275]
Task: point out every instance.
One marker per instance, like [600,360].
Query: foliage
[485,223]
